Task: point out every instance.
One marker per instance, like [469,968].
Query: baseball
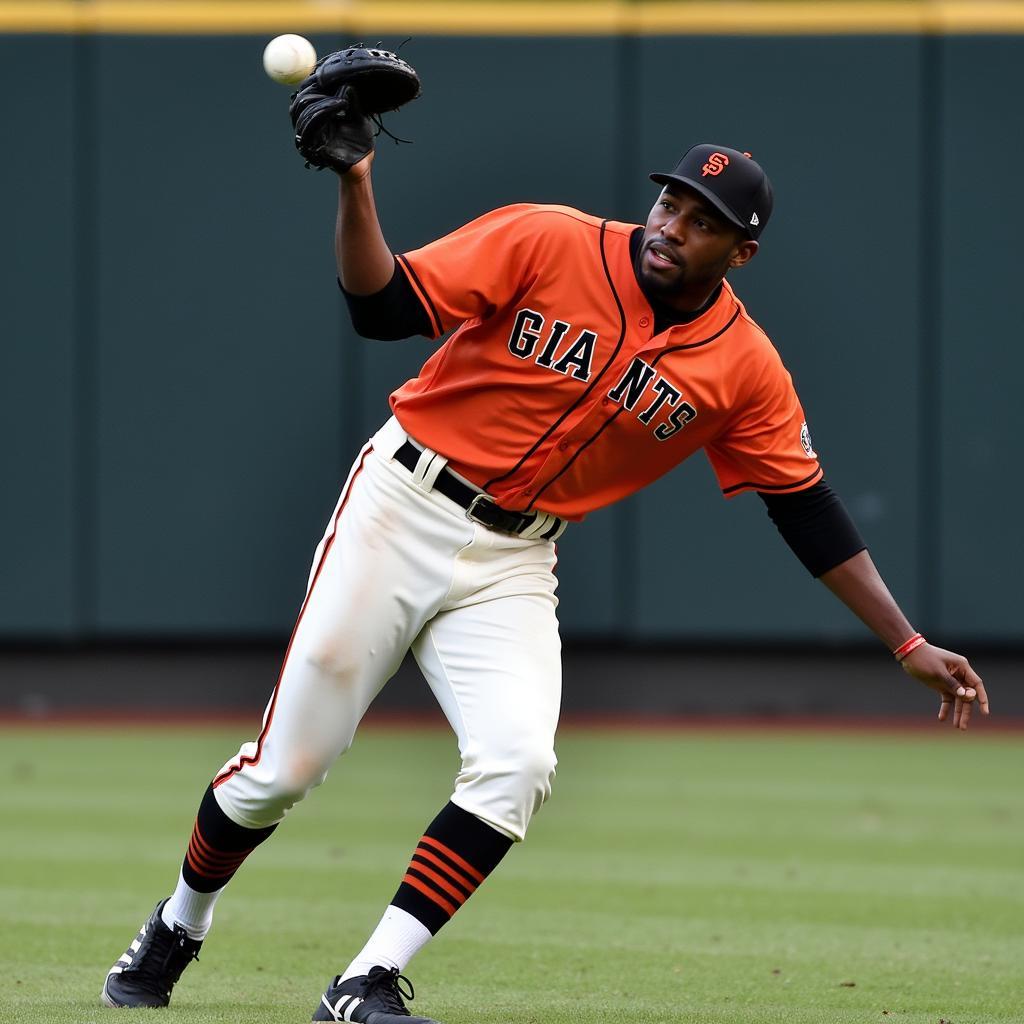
[289,58]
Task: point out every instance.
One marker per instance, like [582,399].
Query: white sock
[192,909]
[394,942]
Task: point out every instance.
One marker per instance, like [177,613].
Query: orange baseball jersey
[554,392]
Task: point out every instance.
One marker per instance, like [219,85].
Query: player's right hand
[951,674]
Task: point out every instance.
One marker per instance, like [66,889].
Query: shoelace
[161,974]
[385,985]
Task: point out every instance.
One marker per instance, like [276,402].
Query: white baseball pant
[399,567]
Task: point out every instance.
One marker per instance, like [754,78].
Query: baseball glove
[336,110]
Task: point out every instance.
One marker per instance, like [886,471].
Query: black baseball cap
[733,182]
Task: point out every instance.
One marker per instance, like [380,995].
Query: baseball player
[584,358]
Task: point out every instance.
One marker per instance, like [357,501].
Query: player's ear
[743,253]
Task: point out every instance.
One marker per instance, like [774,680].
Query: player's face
[687,248]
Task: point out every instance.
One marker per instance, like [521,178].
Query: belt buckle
[481,500]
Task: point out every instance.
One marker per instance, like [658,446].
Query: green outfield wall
[181,394]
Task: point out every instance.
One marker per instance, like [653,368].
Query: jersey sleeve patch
[768,446]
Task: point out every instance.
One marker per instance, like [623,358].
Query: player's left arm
[768,449]
[819,530]
[858,584]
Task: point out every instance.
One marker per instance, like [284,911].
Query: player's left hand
[951,674]
[336,109]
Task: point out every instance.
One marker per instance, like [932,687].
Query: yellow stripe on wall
[472,17]
[825,18]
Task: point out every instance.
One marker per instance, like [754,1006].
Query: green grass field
[683,878]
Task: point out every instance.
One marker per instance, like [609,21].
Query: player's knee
[538,774]
[293,782]
[508,791]
[340,657]
[261,798]
[530,785]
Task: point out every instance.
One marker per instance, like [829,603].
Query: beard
[667,285]
[663,285]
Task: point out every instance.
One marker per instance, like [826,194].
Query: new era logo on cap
[730,179]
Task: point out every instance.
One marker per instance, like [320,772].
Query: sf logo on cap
[717,163]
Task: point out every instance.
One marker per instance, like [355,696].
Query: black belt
[481,508]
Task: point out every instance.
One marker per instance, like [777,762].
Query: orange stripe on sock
[437,898]
[198,866]
[195,854]
[201,843]
[456,894]
[213,867]
[204,851]
[454,858]
[217,856]
[223,860]
[457,877]
[198,836]
[214,855]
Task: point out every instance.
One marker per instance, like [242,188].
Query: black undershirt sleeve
[816,526]
[393,313]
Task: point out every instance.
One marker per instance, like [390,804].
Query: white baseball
[289,58]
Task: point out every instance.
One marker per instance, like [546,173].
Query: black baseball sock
[217,847]
[457,852]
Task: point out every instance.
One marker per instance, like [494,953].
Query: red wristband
[908,645]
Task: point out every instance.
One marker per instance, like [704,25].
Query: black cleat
[147,970]
[374,998]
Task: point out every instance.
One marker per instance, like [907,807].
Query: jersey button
[645,321]
[606,401]
[528,491]
[563,445]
